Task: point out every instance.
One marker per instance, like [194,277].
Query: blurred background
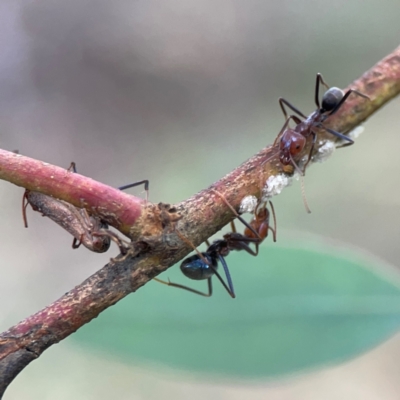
[181,93]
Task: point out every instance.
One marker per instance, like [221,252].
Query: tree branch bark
[152,228]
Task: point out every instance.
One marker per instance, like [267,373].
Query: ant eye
[331,99]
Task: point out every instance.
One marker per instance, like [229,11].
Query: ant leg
[283,103]
[229,289]
[145,182]
[25,203]
[311,151]
[122,244]
[72,167]
[338,134]
[76,243]
[347,94]
[241,244]
[246,224]
[285,125]
[321,79]
[348,143]
[317,83]
[188,242]
[189,289]
[297,120]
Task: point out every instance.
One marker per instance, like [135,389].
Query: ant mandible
[204,265]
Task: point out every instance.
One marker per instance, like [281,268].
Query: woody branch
[152,228]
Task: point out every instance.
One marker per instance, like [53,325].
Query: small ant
[204,265]
[88,230]
[293,141]
[260,223]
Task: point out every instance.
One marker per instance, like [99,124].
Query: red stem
[117,208]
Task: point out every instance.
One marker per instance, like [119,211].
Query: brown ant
[293,141]
[88,230]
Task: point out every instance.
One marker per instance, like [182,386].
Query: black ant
[293,141]
[204,265]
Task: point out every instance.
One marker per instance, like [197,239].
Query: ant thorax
[309,121]
[219,247]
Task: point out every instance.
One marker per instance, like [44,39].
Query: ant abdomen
[331,99]
[195,268]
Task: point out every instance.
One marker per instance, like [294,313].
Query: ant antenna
[297,168]
[189,243]
[303,191]
[303,194]
[274,218]
[235,213]
[272,156]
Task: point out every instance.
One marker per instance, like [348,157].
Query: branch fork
[151,228]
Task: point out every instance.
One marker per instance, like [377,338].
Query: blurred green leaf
[295,309]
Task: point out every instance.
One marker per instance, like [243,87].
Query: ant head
[292,143]
[331,99]
[101,243]
[261,213]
